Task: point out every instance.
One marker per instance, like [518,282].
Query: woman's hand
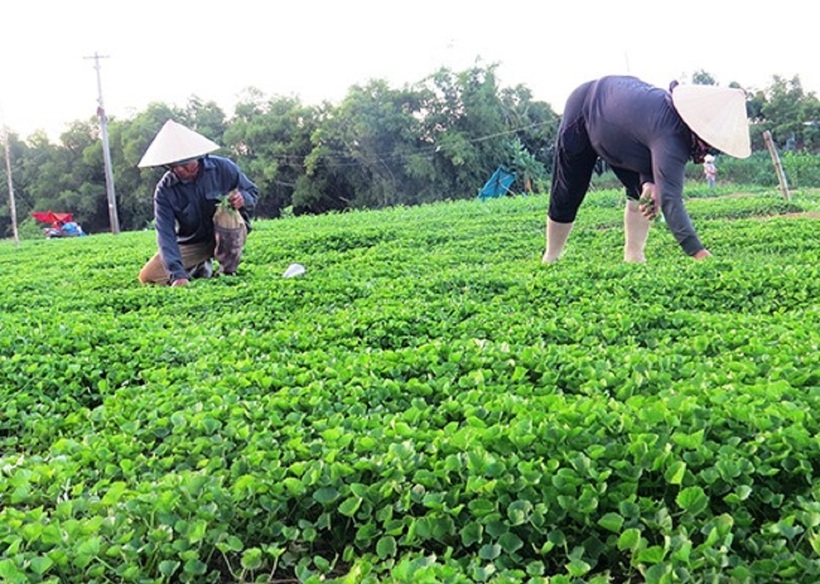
[648,203]
[235,199]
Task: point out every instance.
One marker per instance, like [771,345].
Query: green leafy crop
[429,403]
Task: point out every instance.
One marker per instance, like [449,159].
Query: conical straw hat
[717,115]
[173,143]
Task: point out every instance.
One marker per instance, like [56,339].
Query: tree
[60,177]
[271,140]
[205,117]
[464,121]
[788,112]
[535,126]
[436,139]
[372,139]
[701,77]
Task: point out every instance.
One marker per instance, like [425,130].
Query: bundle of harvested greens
[648,202]
[231,233]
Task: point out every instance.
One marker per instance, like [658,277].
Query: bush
[802,171]
[30,229]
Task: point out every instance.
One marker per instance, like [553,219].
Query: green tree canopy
[439,138]
[790,113]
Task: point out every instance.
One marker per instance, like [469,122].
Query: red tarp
[51,217]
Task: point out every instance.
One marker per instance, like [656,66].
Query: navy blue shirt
[634,126]
[184,211]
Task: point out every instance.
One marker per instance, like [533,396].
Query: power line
[380,156]
[343,158]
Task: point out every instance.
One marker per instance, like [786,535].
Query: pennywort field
[427,403]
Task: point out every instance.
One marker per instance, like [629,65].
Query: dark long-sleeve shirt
[633,126]
[184,212]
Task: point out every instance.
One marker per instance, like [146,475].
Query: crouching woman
[186,200]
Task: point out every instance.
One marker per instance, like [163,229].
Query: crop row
[428,403]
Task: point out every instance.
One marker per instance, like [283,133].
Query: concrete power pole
[109,174]
[12,207]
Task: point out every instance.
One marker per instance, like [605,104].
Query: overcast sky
[167,51]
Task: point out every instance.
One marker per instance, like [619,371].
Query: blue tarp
[498,185]
[71,229]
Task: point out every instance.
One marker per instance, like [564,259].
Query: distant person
[646,135]
[710,170]
[185,201]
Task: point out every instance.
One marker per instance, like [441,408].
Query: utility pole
[778,166]
[109,174]
[12,206]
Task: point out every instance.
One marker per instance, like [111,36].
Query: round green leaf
[326,495]
[510,542]
[611,522]
[535,568]
[168,567]
[196,567]
[386,547]
[349,506]
[489,551]
[629,539]
[674,474]
[252,558]
[471,533]
[692,500]
[41,564]
[578,568]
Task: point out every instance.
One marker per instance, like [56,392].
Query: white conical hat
[173,143]
[717,115]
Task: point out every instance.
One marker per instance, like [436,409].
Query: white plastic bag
[294,270]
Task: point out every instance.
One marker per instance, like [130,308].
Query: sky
[169,51]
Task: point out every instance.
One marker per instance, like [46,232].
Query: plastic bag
[231,233]
[294,270]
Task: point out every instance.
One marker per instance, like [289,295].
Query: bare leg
[557,234]
[636,232]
